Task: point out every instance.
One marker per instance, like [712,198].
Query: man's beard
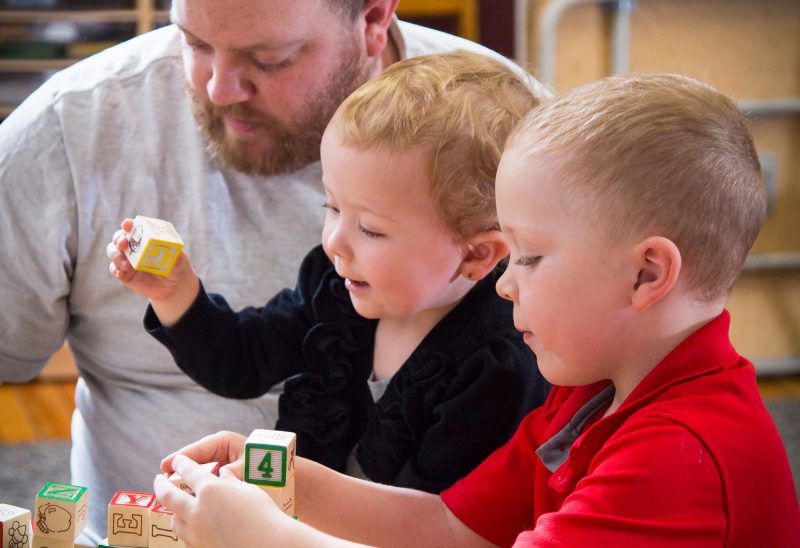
[287,149]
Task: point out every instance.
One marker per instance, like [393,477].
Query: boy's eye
[369,233]
[528,261]
[334,210]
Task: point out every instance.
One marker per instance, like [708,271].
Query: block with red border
[181,484]
[161,533]
[15,526]
[129,518]
[61,510]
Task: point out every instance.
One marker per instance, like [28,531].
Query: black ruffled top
[459,396]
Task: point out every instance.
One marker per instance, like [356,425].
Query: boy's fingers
[233,471]
[171,496]
[192,473]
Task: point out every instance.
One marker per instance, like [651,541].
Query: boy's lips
[355,285]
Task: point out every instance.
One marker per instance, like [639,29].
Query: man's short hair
[461,107]
[657,154]
[350,8]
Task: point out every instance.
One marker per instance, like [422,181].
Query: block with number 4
[153,245]
[61,511]
[15,529]
[269,463]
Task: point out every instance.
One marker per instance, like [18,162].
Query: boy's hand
[226,448]
[224,510]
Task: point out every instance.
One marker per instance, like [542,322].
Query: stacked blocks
[15,526]
[129,518]
[60,514]
[269,463]
[161,532]
[153,245]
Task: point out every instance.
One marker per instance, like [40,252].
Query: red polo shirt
[691,457]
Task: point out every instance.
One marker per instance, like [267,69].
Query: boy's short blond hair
[461,107]
[659,154]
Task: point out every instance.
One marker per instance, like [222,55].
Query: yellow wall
[749,49]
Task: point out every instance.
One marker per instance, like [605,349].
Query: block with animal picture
[15,526]
[153,245]
[39,541]
[269,463]
[129,518]
[60,511]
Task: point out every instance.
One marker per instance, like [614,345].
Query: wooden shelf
[144,16]
[34,65]
[77,16]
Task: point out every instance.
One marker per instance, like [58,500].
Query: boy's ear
[484,251]
[659,264]
[377,16]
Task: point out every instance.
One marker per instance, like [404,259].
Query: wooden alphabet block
[61,511]
[269,457]
[15,526]
[283,496]
[178,481]
[153,245]
[46,542]
[161,533]
[129,518]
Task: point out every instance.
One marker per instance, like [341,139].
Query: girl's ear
[659,263]
[484,251]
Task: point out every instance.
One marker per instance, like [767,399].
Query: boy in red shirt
[629,206]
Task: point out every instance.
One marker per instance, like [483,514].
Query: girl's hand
[224,511]
[145,284]
[226,448]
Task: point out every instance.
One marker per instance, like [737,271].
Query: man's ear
[659,263]
[376,16]
[484,251]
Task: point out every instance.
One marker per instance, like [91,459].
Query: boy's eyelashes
[528,261]
[334,209]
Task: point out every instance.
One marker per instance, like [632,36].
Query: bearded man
[213,123]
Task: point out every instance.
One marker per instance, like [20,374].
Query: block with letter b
[61,511]
[15,526]
[153,245]
[129,518]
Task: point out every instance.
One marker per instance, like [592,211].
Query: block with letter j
[153,245]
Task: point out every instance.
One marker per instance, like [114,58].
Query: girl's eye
[528,261]
[369,233]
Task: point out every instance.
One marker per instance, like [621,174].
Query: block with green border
[60,511]
[269,457]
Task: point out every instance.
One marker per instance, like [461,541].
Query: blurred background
[749,49]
